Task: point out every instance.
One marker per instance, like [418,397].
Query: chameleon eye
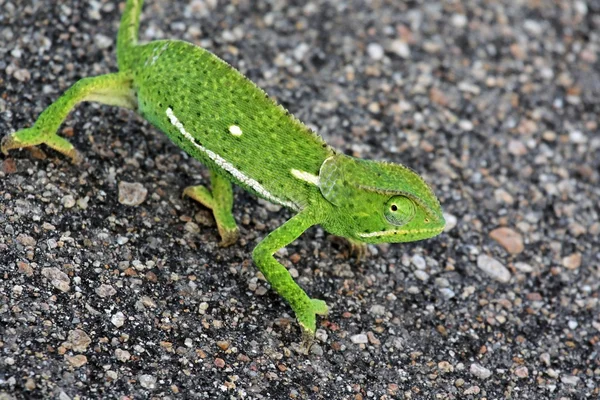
[399,210]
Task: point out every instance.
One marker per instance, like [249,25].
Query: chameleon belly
[221,118]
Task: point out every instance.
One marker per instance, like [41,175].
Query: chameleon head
[376,202]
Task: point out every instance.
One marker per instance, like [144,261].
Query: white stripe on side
[221,162]
[305,176]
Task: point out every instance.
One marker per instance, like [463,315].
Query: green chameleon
[222,119]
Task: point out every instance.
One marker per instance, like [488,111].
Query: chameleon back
[208,108]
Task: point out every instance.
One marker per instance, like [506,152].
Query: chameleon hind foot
[112,89]
[34,136]
[220,202]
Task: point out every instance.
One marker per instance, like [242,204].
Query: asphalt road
[495,103]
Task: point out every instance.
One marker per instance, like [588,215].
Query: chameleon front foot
[307,318]
[358,249]
[33,137]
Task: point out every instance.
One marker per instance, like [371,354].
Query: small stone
[122,355]
[22,75]
[577,137]
[63,396]
[17,290]
[223,345]
[375,51]
[118,319]
[68,201]
[373,339]
[316,349]
[570,380]
[465,125]
[549,136]
[447,293]
[57,278]
[25,268]
[360,338]
[573,324]
[147,381]
[545,358]
[421,275]
[511,240]
[451,222]
[472,390]
[219,363]
[102,41]
[9,361]
[321,335]
[552,373]
[517,148]
[83,202]
[522,372]
[503,196]
[132,194]
[261,291]
[26,240]
[493,268]
[77,361]
[480,371]
[30,384]
[413,290]
[191,227]
[572,261]
[377,309]
[418,261]
[459,20]
[78,340]
[105,291]
[523,267]
[300,51]
[400,48]
[533,27]
[445,366]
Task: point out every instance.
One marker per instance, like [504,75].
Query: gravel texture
[112,285]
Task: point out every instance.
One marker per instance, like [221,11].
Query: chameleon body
[222,119]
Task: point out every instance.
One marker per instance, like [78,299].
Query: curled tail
[128,33]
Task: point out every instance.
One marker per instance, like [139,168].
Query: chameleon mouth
[403,232]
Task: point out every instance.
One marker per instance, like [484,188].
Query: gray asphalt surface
[495,103]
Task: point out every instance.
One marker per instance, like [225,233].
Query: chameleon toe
[228,236]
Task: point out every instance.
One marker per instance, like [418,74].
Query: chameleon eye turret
[399,210]
[222,119]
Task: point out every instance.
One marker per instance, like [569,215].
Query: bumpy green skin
[222,119]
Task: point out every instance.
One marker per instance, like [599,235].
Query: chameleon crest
[219,117]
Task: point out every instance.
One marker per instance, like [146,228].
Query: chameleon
[221,118]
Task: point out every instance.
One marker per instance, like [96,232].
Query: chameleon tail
[128,33]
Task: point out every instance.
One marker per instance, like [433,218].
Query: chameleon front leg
[112,89]
[220,201]
[280,279]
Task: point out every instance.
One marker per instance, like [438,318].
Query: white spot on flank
[235,130]
[221,162]
[306,177]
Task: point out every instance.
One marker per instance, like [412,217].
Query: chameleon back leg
[220,201]
[112,89]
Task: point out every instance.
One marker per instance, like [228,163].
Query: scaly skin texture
[219,117]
